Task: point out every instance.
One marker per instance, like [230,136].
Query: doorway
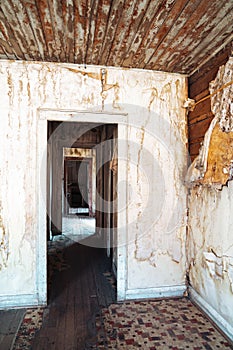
[49,153]
[83,184]
[79,187]
[77,184]
[79,193]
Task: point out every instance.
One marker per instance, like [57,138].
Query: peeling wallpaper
[156,163]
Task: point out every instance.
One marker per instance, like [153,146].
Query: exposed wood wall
[200,119]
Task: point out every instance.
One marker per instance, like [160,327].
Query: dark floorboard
[10,321]
[78,292]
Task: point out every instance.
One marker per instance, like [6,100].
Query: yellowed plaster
[220,157]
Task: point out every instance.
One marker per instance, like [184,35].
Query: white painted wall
[151,257]
[210,252]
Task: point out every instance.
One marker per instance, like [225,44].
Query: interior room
[116,169]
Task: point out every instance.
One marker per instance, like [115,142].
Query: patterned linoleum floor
[31,323]
[169,324]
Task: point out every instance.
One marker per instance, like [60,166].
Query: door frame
[87,160]
[121,119]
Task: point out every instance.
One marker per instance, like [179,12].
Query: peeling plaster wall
[210,247]
[213,165]
[210,239]
[156,163]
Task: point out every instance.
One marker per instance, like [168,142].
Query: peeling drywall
[219,267]
[155,158]
[213,165]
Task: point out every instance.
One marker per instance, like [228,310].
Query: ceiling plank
[101,20]
[122,31]
[166,35]
[35,26]
[207,45]
[55,9]
[4,54]
[82,10]
[165,43]
[164,20]
[116,10]
[46,25]
[147,27]
[68,29]
[199,27]
[91,31]
[13,30]
[178,43]
[25,29]
[8,39]
[136,21]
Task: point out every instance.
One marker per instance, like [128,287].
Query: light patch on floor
[78,228]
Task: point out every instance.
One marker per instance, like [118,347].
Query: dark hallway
[80,285]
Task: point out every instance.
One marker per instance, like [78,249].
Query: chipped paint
[214,264]
[169,35]
[219,267]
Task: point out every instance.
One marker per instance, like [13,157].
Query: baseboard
[19,301]
[158,292]
[220,322]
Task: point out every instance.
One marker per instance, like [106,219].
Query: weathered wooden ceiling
[168,35]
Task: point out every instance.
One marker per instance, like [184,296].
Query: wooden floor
[78,291]
[77,294]
[10,321]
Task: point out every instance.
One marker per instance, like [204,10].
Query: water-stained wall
[155,158]
[210,249]
[210,239]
